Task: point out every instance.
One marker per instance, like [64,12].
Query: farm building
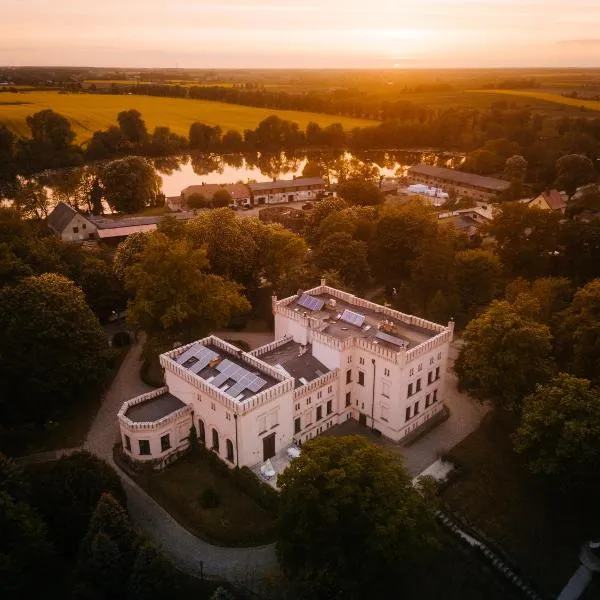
[289,190]
[335,357]
[72,226]
[463,184]
[239,192]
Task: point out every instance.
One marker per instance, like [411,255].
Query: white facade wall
[289,195]
[176,426]
[274,417]
[78,230]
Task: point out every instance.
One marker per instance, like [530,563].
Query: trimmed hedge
[244,479]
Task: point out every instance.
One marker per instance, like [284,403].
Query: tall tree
[130,184]
[152,575]
[176,298]
[578,336]
[506,353]
[26,555]
[559,430]
[351,524]
[67,493]
[204,138]
[399,234]
[360,193]
[527,239]
[349,257]
[572,171]
[108,549]
[132,126]
[476,277]
[515,168]
[51,350]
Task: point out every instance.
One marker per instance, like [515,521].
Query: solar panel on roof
[236,389]
[203,355]
[256,384]
[352,318]
[187,354]
[310,302]
[392,339]
[220,379]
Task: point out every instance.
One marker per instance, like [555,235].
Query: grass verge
[236,521]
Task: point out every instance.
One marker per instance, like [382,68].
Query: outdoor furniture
[267,469]
[293,452]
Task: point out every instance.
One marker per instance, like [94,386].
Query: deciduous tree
[175,297]
[572,171]
[130,184]
[504,356]
[350,524]
[578,336]
[52,348]
[559,430]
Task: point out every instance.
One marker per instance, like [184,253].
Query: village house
[549,200]
[289,190]
[468,220]
[465,185]
[335,357]
[72,226]
[69,225]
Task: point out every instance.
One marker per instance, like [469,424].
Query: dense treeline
[66,534]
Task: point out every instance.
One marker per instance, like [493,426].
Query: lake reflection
[178,173]
[75,185]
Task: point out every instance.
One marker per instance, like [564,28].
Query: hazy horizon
[330,34]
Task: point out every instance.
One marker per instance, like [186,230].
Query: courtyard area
[208,504]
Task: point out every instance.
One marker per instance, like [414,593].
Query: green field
[89,112]
[546,97]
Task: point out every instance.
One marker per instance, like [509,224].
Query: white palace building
[336,357]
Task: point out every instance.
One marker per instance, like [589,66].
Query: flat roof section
[297,361]
[154,409]
[461,177]
[342,329]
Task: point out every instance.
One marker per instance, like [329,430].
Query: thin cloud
[583,42]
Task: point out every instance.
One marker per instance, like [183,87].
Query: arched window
[215,440]
[229,450]
[201,432]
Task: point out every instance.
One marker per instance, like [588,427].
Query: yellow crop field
[547,97]
[91,112]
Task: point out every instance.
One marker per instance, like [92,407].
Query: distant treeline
[540,139]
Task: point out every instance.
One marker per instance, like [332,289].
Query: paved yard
[465,416]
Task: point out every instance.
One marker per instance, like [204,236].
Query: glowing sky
[290,33]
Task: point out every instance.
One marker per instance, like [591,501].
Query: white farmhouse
[336,357]
[287,190]
[69,225]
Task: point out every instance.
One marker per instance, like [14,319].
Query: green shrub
[198,201]
[210,498]
[121,339]
[262,493]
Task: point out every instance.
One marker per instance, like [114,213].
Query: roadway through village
[243,564]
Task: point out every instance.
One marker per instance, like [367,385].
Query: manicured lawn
[237,521]
[539,528]
[89,112]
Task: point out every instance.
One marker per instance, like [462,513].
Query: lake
[73,185]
